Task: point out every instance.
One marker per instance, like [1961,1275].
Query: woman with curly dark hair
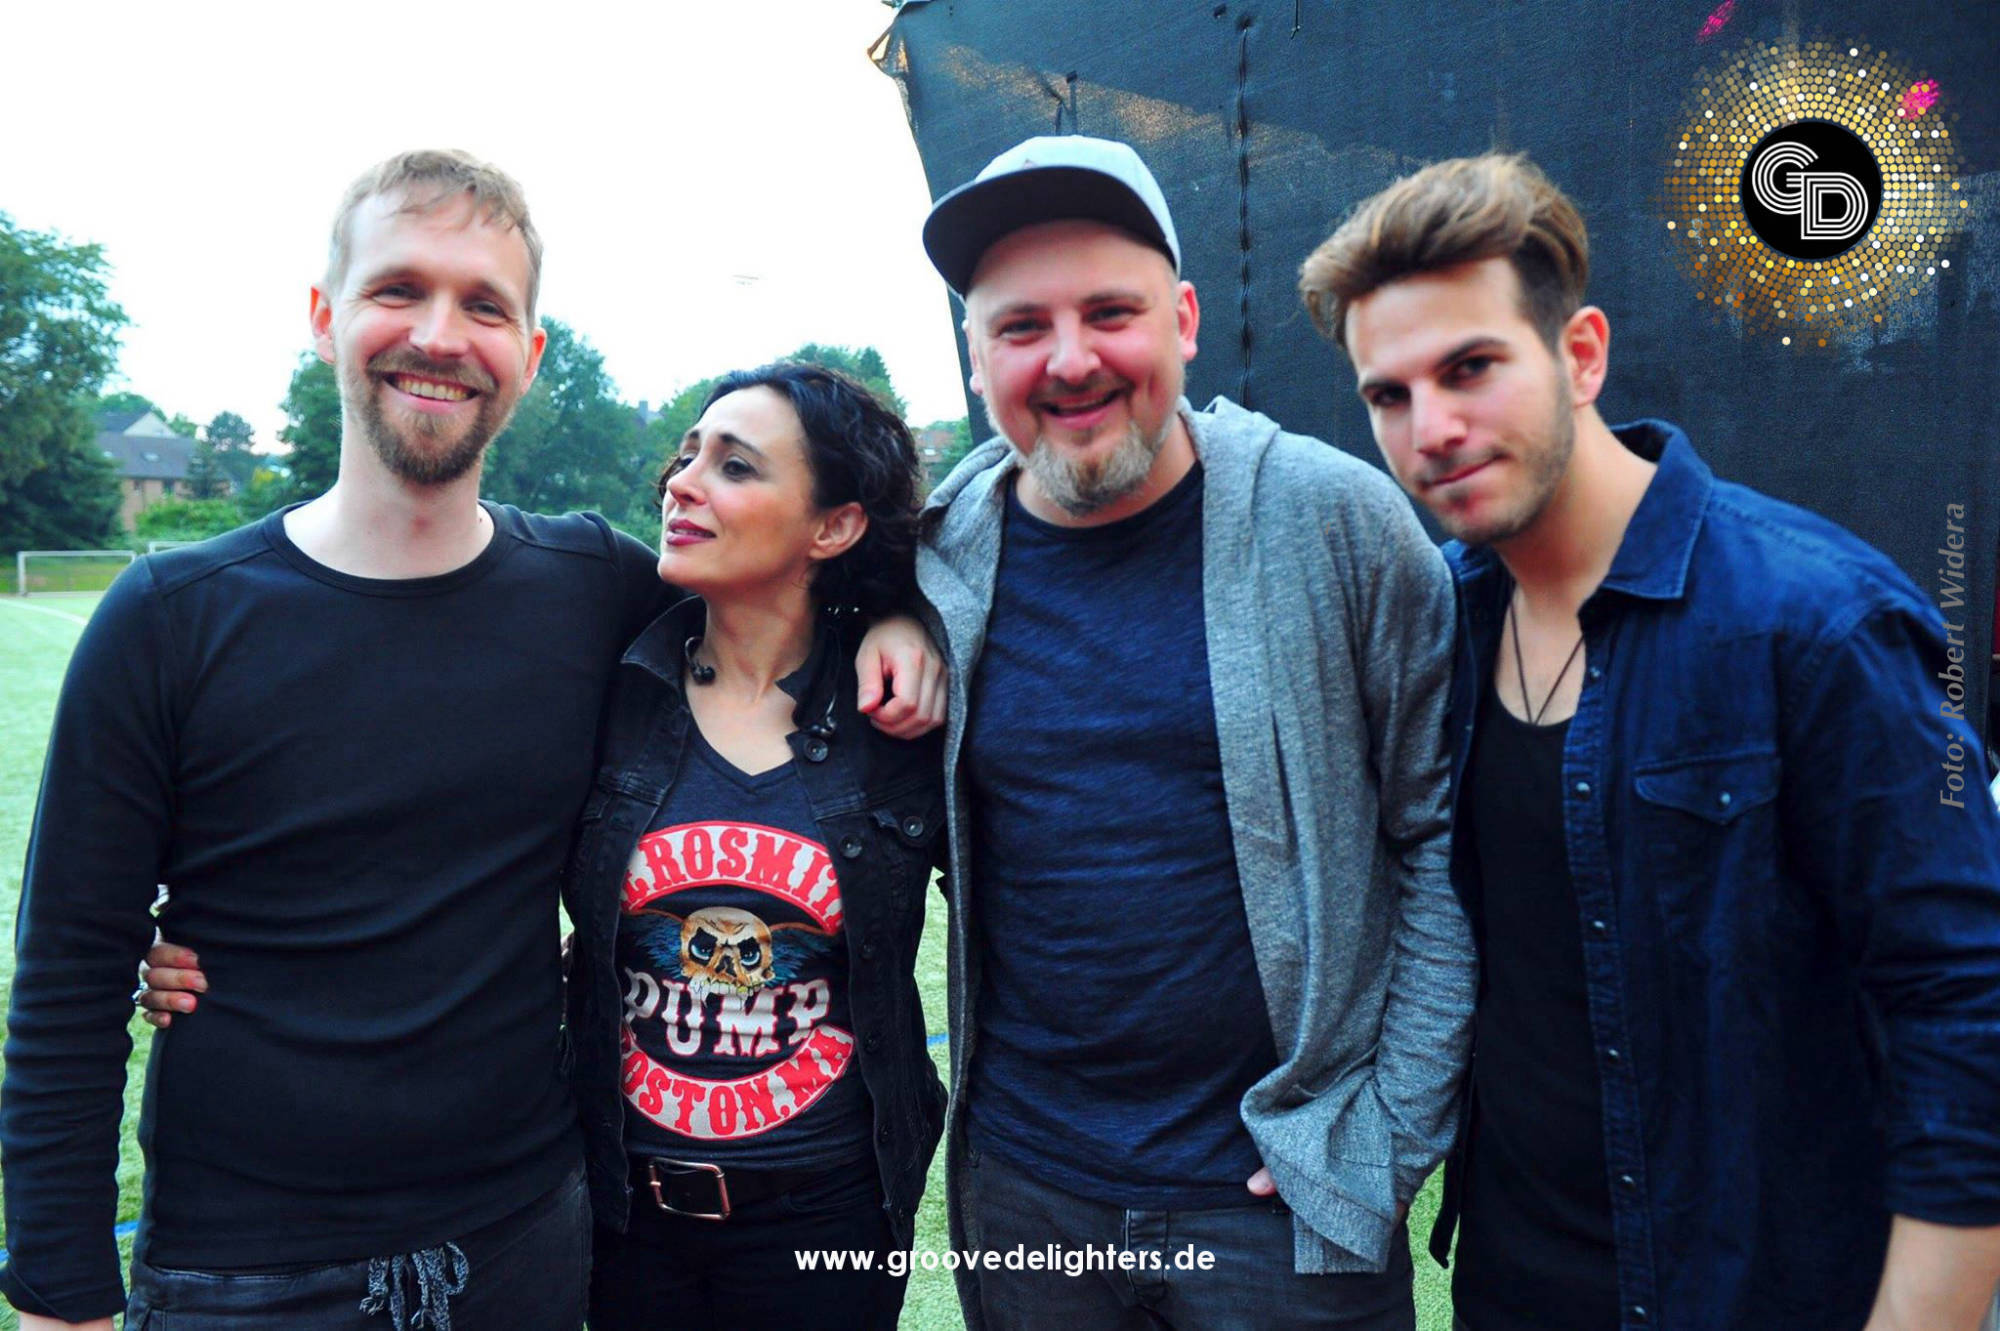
[749,881]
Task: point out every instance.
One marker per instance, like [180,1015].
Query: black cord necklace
[1521,670]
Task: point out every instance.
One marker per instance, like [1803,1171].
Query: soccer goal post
[43,571]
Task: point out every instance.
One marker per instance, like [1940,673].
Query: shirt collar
[661,650]
[1652,560]
[661,646]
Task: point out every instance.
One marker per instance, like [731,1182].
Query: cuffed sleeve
[1888,808]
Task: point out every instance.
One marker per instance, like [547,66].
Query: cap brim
[964,224]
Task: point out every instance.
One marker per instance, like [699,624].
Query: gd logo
[1811,189]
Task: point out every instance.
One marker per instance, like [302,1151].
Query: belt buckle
[682,1169]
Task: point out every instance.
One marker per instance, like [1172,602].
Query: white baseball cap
[1051,178]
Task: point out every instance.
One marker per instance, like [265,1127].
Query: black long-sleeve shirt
[359,793]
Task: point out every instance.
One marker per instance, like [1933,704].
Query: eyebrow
[1112,296]
[407,272]
[1476,342]
[732,440]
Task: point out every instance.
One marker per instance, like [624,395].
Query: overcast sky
[715,182]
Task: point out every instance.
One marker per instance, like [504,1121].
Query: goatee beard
[1081,486]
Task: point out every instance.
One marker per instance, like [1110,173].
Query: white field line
[45,610]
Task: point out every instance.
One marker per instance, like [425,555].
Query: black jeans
[670,1271]
[1134,1270]
[529,1269]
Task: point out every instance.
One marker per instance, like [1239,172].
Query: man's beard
[419,450]
[1082,486]
[1543,471]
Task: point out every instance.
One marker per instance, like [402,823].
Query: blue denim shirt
[1791,940]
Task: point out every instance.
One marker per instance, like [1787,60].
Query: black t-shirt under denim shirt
[1535,1243]
[1120,1015]
[738,1047]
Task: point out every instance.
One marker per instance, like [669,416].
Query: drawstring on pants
[387,1277]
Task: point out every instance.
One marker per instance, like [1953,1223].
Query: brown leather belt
[701,1190]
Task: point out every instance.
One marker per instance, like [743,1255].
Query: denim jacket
[1791,941]
[879,803]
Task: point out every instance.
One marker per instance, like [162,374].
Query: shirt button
[1583,787]
[913,827]
[1639,1313]
[1723,799]
[815,750]
[1596,673]
[868,952]
[1600,928]
[1613,1056]
[872,1043]
[884,1136]
[850,846]
[1627,1182]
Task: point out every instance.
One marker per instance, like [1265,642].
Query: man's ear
[321,322]
[839,529]
[538,342]
[1585,346]
[977,383]
[1187,316]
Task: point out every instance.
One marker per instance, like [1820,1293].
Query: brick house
[152,460]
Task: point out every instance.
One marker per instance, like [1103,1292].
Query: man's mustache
[401,361]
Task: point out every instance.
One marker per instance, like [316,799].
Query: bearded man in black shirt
[350,738]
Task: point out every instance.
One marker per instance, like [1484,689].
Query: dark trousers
[1156,1278]
[529,1269]
[670,1271]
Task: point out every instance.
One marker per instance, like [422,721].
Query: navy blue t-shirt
[737,1042]
[1120,1016]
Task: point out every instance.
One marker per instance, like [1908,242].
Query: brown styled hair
[426,178]
[1496,206]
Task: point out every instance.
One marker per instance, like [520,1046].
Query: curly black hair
[859,452]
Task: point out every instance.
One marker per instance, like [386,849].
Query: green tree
[311,431]
[182,426]
[863,363]
[205,476]
[232,450]
[228,430]
[70,502]
[572,444]
[186,520]
[127,401]
[58,343]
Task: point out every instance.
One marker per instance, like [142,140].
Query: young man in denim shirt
[1738,1036]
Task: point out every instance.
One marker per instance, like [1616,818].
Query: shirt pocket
[1706,849]
[909,827]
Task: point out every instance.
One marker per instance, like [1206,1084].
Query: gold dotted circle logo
[1895,113]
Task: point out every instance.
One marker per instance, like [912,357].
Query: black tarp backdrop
[1267,120]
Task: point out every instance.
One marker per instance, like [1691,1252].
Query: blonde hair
[426,178]
[1496,206]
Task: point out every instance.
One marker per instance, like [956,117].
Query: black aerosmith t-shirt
[737,1043]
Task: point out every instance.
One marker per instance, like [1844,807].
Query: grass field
[36,637]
